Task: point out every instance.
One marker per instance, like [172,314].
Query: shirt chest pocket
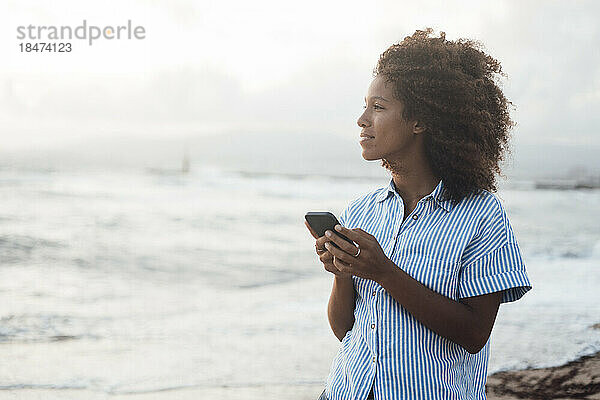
[439,275]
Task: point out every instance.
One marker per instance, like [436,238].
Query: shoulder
[490,215]
[485,203]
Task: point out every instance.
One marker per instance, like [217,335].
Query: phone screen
[322,221]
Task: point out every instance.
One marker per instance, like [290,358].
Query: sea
[153,283]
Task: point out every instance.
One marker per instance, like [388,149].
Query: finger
[343,244]
[357,235]
[311,230]
[320,249]
[341,265]
[321,242]
[338,253]
[351,234]
[331,268]
[326,258]
[365,234]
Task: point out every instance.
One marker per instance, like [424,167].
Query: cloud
[210,67]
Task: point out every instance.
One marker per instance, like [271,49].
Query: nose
[362,121]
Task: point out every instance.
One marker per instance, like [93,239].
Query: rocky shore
[579,379]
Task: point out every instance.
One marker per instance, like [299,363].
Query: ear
[418,127]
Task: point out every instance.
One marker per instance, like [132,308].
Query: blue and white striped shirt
[462,250]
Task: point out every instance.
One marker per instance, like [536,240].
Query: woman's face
[385,134]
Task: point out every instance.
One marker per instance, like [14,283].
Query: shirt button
[373,358]
[374,292]
[372,326]
[415,217]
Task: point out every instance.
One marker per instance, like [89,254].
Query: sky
[238,67]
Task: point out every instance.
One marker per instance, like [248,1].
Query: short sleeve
[492,261]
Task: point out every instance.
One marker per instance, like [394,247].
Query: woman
[415,300]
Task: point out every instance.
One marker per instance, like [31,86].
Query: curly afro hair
[450,86]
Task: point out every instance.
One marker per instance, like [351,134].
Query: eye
[375,106]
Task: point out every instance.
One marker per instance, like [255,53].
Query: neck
[412,184]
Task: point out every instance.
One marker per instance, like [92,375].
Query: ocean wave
[562,251]
[43,328]
[137,388]
[17,248]
[596,250]
[23,386]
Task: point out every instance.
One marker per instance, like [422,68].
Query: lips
[364,137]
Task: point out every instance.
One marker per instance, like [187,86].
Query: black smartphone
[321,221]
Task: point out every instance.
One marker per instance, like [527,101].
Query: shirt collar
[436,194]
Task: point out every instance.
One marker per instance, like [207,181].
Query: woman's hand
[370,262]
[325,256]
